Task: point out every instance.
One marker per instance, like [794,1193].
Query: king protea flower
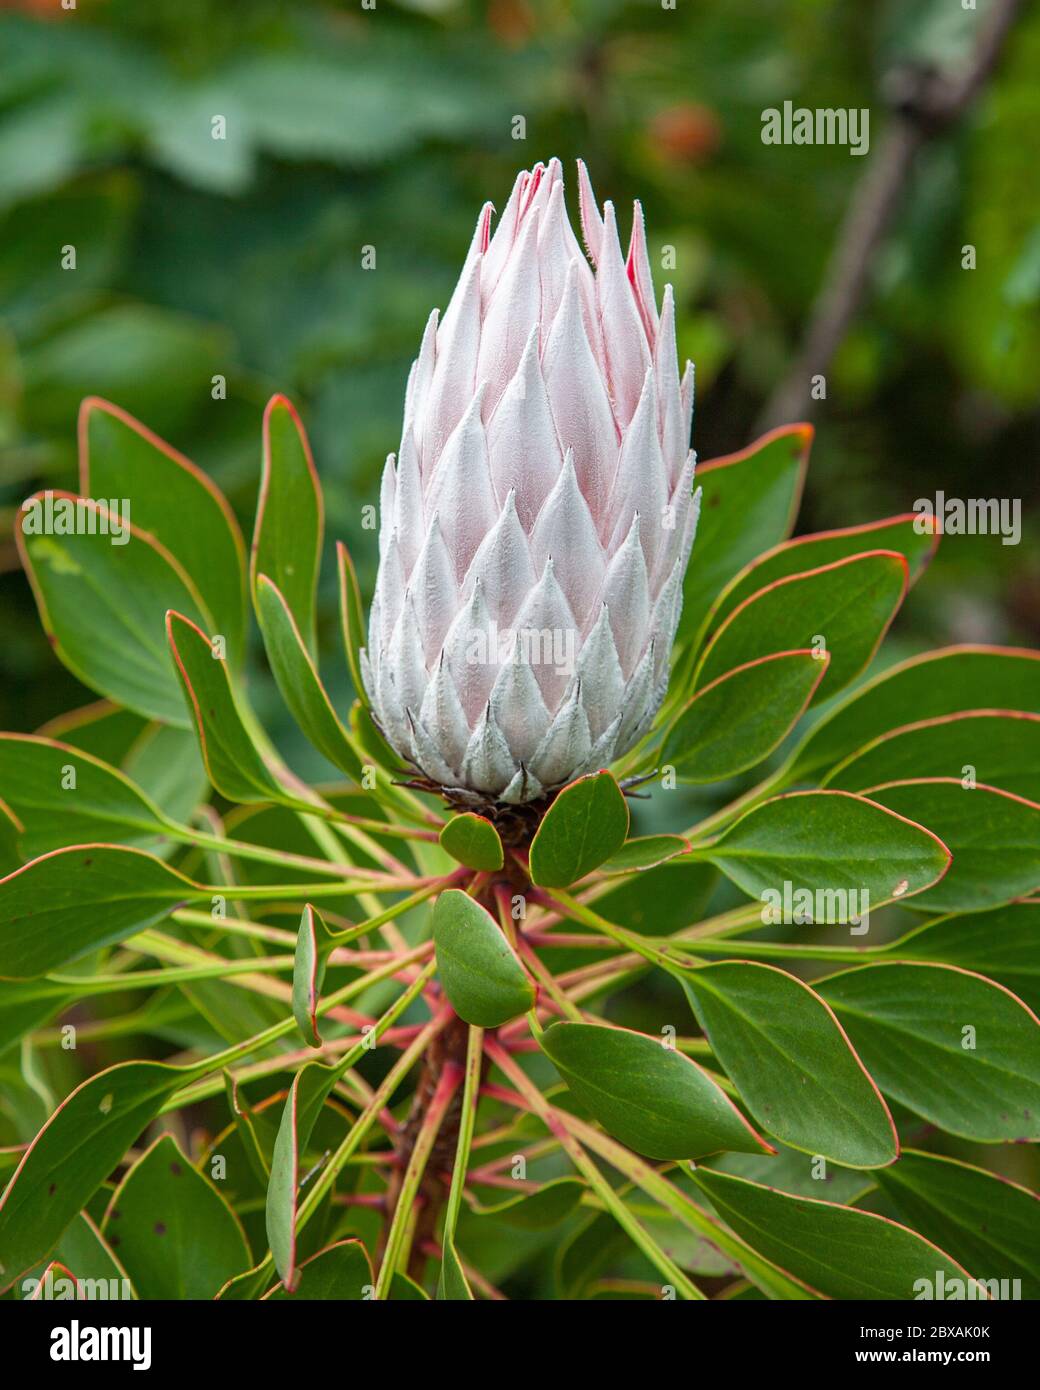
[536,524]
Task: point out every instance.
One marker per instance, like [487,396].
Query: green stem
[769,1277]
[193,1092]
[262,854]
[554,1121]
[403,1216]
[467,1123]
[768,787]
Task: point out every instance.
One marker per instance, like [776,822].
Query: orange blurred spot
[688,133]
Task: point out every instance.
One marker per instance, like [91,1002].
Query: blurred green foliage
[386,127]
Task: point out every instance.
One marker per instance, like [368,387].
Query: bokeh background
[387,127]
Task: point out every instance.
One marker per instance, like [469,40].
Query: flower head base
[536,525]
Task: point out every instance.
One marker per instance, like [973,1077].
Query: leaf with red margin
[993,835]
[177,1236]
[842,1252]
[645,852]
[340,1272]
[908,1022]
[993,1225]
[737,720]
[749,501]
[55,1277]
[585,825]
[71,901]
[849,603]
[313,945]
[61,796]
[352,616]
[653,1098]
[1002,746]
[479,971]
[176,502]
[853,852]
[233,763]
[290,516]
[298,680]
[791,1061]
[102,729]
[310,1088]
[74,1153]
[894,533]
[1000,944]
[103,607]
[937,683]
[473,841]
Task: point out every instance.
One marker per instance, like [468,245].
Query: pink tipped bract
[538,517]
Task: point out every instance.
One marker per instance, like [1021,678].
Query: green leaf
[791,1062]
[749,501]
[69,902]
[299,681]
[994,838]
[352,615]
[175,502]
[740,718]
[103,606]
[645,852]
[290,519]
[585,825]
[233,763]
[313,945]
[245,1127]
[337,1273]
[942,682]
[310,1088]
[73,1154]
[1000,944]
[895,533]
[246,1288]
[991,1225]
[176,1234]
[164,763]
[473,841]
[405,1290]
[479,970]
[452,1284]
[800,1174]
[653,1098]
[850,604]
[552,1203]
[841,1252]
[951,1046]
[1001,746]
[62,797]
[850,854]
[83,1249]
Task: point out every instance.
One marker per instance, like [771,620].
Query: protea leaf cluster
[538,517]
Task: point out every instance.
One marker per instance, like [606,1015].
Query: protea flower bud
[537,522]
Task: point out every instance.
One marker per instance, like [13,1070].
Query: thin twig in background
[924,103]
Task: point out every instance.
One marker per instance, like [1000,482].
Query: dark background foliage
[387,127]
